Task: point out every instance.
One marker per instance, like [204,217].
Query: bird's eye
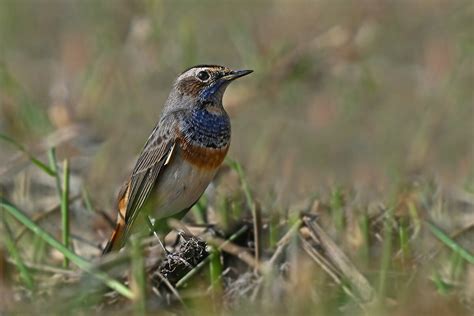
[203,75]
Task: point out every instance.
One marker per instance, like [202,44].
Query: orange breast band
[202,157]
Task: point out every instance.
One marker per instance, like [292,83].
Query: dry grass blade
[21,159]
[40,216]
[234,250]
[268,266]
[327,267]
[340,261]
[47,269]
[257,228]
[281,244]
[25,152]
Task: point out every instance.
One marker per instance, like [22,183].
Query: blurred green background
[356,93]
[366,105]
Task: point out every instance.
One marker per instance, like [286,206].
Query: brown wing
[156,153]
[154,156]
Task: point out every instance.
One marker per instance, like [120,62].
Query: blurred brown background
[359,94]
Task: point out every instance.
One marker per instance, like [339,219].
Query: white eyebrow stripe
[194,71]
[191,72]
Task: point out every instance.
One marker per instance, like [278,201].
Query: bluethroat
[182,154]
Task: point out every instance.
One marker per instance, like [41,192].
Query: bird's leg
[151,226]
[213,230]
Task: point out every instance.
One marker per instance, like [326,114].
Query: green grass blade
[86,199]
[39,249]
[65,209]
[138,282]
[63,192]
[456,266]
[386,252]
[15,254]
[337,208]
[245,187]
[199,211]
[404,241]
[364,225]
[448,241]
[273,231]
[77,260]
[256,213]
[53,165]
[215,270]
[34,160]
[441,286]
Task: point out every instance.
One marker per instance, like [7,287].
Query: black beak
[237,74]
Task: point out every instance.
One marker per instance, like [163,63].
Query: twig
[170,287]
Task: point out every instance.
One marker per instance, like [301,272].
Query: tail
[116,240]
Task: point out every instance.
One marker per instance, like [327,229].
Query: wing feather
[158,150]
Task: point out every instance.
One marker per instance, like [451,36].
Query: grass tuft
[82,263]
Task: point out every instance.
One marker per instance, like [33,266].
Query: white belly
[179,186]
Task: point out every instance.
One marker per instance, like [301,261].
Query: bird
[181,156]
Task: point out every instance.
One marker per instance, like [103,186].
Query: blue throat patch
[208,93]
[207,129]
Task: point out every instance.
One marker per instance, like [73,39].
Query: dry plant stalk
[335,262]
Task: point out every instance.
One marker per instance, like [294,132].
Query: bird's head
[206,84]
